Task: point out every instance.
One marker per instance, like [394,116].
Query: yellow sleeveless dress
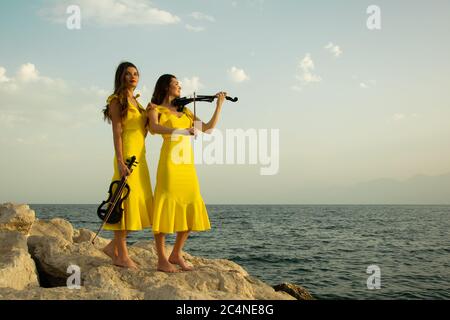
[178,204]
[139,204]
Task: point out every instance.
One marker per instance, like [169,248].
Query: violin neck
[181,102]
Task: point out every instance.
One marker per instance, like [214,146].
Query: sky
[354,106]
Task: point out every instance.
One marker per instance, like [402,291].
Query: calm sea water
[324,248]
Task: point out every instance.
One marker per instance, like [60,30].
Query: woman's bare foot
[178,259]
[125,263]
[109,250]
[165,266]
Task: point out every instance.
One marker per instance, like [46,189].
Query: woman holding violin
[178,205]
[129,126]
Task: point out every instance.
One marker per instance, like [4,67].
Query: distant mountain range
[420,189]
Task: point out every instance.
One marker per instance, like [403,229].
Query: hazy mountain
[419,189]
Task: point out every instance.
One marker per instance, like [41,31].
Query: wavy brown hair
[120,91]
[161,88]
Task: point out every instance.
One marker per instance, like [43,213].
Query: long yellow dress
[139,204]
[178,205]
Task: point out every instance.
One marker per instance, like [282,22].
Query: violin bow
[195,96]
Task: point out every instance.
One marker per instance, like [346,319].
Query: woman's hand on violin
[123,170]
[221,98]
[190,131]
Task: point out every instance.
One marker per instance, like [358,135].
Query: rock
[17,268]
[83,235]
[55,255]
[296,291]
[16,217]
[212,279]
[59,293]
[57,227]
[57,250]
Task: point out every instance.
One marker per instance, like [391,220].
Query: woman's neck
[168,101]
[129,92]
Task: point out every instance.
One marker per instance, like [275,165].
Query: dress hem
[143,228]
[175,231]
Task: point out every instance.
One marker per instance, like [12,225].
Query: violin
[180,103]
[111,210]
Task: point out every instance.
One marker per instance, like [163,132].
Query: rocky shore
[44,259]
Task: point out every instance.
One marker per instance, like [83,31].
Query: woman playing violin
[178,205]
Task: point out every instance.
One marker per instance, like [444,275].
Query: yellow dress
[139,204]
[178,204]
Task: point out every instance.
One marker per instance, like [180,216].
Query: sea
[334,251]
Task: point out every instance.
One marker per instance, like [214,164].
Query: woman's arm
[155,128]
[114,109]
[207,127]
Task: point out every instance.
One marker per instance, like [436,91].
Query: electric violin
[111,210]
[180,103]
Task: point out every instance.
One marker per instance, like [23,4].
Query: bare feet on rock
[125,263]
[109,251]
[177,259]
[166,266]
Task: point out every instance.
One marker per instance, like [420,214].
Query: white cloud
[189,86]
[402,116]
[28,72]
[367,84]
[363,85]
[10,87]
[27,75]
[3,77]
[256,3]
[308,77]
[96,90]
[297,88]
[306,64]
[305,73]
[11,120]
[193,28]
[30,97]
[238,75]
[34,140]
[202,16]
[334,49]
[146,94]
[111,12]
[398,116]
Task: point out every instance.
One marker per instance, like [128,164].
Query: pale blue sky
[380,110]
